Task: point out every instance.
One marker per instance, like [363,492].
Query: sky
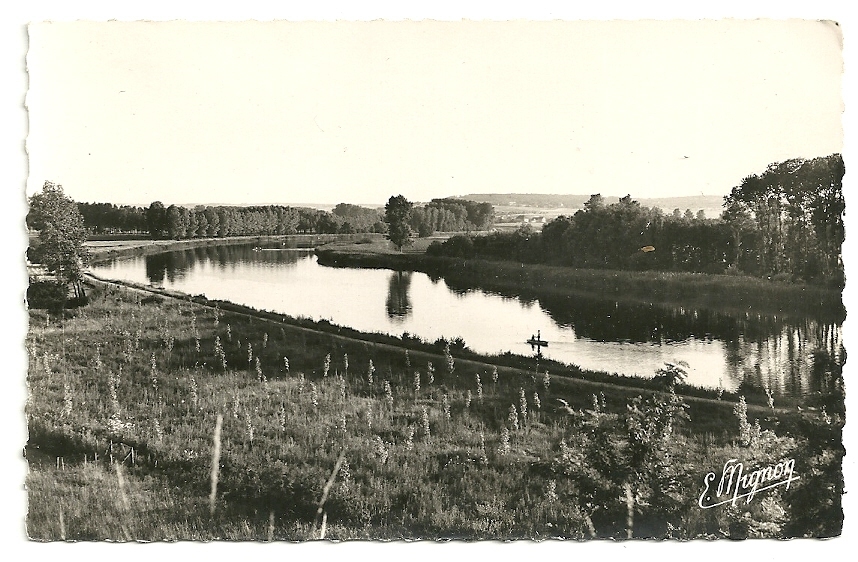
[328,112]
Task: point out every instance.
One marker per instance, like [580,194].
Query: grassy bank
[587,380]
[103,250]
[737,293]
[124,395]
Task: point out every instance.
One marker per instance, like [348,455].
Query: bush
[459,246]
[436,248]
[49,295]
[782,277]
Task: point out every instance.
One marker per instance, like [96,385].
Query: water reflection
[731,348]
[790,356]
[797,359]
[173,266]
[398,301]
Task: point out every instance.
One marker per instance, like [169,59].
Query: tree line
[403,219]
[786,222]
[178,222]
[451,215]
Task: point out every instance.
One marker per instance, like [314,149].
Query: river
[736,351]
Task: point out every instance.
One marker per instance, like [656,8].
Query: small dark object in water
[537,342]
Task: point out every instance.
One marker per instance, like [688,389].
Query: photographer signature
[735,483]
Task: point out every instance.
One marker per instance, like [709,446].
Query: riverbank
[104,250]
[693,290]
[574,378]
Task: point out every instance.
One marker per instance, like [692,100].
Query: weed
[512,418]
[215,465]
[369,373]
[503,445]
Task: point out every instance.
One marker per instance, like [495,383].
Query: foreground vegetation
[326,435]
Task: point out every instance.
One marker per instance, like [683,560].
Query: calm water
[791,356]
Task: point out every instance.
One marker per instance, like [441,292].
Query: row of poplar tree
[178,222]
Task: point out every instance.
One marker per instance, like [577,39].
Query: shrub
[50,295]
[783,277]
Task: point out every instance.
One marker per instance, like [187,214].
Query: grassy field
[110,249]
[382,246]
[325,435]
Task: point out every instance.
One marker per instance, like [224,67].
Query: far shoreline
[106,250]
[733,293]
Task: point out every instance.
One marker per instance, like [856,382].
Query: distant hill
[541,200]
[549,201]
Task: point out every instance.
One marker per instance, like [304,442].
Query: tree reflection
[796,356]
[174,266]
[398,299]
[156,268]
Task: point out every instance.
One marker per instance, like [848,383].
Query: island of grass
[736,293]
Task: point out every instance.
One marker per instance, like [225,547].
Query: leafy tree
[202,222]
[106,217]
[212,220]
[740,223]
[797,211]
[156,220]
[595,202]
[397,215]
[61,234]
[175,221]
[327,223]
[360,218]
[671,374]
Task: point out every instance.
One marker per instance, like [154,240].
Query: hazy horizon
[380,204]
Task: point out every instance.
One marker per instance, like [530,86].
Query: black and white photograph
[511,279]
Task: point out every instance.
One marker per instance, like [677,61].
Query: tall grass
[215,473]
[415,457]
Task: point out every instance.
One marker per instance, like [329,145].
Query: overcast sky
[244,113]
